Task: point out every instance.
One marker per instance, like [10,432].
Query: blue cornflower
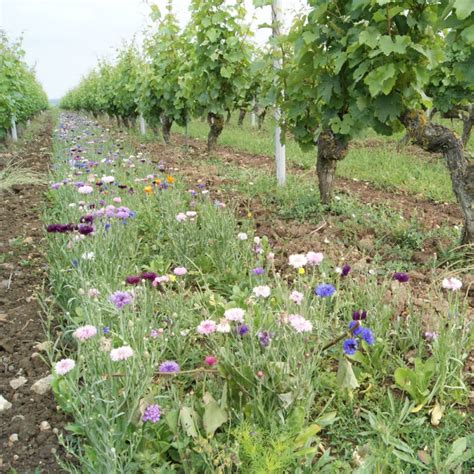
[242,329]
[169,366]
[258,271]
[367,335]
[74,263]
[106,330]
[349,346]
[324,290]
[358,330]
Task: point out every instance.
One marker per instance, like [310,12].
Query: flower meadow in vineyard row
[179,334]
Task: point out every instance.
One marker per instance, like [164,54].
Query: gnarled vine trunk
[166,123]
[216,125]
[331,149]
[261,118]
[437,138]
[242,115]
[467,124]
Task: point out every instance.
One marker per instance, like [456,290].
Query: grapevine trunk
[216,125]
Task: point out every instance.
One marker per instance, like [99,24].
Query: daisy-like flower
[296,297]
[234,314]
[207,327]
[64,366]
[107,179]
[452,284]
[160,279]
[86,189]
[314,258]
[88,256]
[85,332]
[121,353]
[297,260]
[242,236]
[299,324]
[181,217]
[191,214]
[262,291]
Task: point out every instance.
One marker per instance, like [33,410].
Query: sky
[63,39]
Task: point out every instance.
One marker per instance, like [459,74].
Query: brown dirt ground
[22,273]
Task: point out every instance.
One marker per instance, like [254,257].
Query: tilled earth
[28,429]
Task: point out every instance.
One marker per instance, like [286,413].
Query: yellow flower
[301,271]
[148,189]
[249,215]
[157,181]
[172,278]
[170,179]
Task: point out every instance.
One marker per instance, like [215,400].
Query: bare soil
[22,276]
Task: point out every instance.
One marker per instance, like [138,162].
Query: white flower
[234,314]
[299,324]
[242,236]
[223,326]
[181,217]
[297,260]
[64,366]
[452,284]
[296,297]
[88,256]
[262,291]
[257,240]
[107,179]
[121,353]
[191,214]
[314,258]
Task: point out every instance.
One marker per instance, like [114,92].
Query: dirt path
[28,440]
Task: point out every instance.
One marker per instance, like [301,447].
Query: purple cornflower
[358,330]
[359,315]
[264,338]
[401,277]
[148,276]
[169,366]
[152,413]
[106,330]
[349,346]
[258,271]
[324,290]
[367,335]
[242,329]
[345,270]
[120,299]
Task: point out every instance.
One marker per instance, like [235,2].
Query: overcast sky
[64,38]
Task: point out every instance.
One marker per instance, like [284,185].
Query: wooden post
[14,131]
[277,9]
[253,116]
[142,125]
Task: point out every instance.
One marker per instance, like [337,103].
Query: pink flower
[296,297]
[262,291]
[117,199]
[452,284]
[223,326]
[86,189]
[180,271]
[207,327]
[297,260]
[234,314]
[160,279]
[121,353]
[64,366]
[85,332]
[299,324]
[181,217]
[210,360]
[93,293]
[191,214]
[314,258]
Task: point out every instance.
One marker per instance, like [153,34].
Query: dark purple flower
[258,271]
[88,219]
[367,335]
[85,229]
[152,414]
[132,280]
[324,290]
[401,277]
[355,327]
[264,338]
[242,329]
[349,346]
[345,270]
[150,276]
[169,366]
[53,228]
[359,315]
[106,330]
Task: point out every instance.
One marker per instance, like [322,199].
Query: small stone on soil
[43,385]
[18,382]
[4,404]
[45,426]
